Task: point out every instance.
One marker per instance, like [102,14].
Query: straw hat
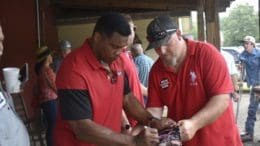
[42,53]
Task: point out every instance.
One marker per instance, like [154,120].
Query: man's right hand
[256,90]
[147,137]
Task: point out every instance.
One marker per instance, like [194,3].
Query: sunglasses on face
[114,78]
[112,75]
[160,35]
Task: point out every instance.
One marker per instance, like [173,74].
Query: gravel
[241,119]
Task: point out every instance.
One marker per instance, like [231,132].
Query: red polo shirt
[131,72]
[202,75]
[134,82]
[82,71]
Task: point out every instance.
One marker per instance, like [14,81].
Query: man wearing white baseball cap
[249,39]
[250,59]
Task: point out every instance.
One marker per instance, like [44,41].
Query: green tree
[241,21]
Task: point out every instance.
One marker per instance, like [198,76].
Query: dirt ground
[241,118]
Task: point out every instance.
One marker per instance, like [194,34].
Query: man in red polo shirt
[192,80]
[93,89]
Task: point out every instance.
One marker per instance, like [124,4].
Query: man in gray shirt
[12,129]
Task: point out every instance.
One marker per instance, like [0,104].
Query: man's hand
[161,124]
[257,96]
[256,90]
[235,96]
[187,129]
[147,137]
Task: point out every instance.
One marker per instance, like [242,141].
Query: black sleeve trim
[126,85]
[75,104]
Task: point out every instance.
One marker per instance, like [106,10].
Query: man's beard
[172,62]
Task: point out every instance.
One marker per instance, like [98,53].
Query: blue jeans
[50,112]
[145,100]
[251,114]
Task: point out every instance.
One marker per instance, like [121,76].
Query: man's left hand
[187,129]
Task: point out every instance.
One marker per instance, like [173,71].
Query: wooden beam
[212,23]
[200,17]
[223,4]
[134,4]
[135,16]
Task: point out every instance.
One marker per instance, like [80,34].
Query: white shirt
[232,69]
[12,130]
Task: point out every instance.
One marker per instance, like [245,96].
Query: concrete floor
[243,105]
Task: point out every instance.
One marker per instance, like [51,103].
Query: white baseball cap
[249,39]
[65,45]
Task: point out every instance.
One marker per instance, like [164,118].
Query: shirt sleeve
[134,83]
[242,57]
[154,98]
[216,78]
[75,104]
[74,98]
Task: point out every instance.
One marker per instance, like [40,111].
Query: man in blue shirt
[142,62]
[250,59]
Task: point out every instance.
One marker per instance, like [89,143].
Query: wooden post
[201,24]
[212,22]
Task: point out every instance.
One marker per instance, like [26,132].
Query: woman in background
[46,89]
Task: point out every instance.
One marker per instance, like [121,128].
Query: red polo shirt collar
[90,57]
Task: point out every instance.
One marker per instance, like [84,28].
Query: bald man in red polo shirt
[192,80]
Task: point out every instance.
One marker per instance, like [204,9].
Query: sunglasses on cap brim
[160,35]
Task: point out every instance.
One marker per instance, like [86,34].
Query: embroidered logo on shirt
[2,100]
[164,83]
[193,78]
[119,73]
